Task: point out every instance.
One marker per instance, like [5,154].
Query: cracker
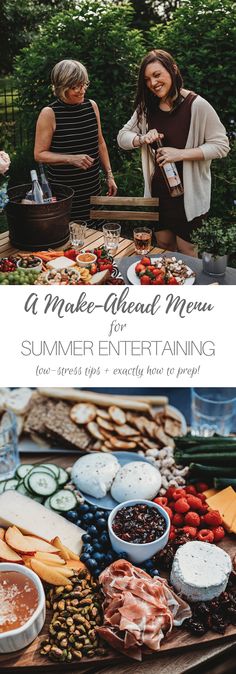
[82,413]
[103,423]
[117,415]
[93,428]
[61,426]
[126,431]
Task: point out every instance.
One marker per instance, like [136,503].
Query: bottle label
[172,174]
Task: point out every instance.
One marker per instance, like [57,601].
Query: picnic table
[125,256]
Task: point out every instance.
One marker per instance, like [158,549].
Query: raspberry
[204,509]
[170,491]
[178,520]
[172,534]
[213,519]
[171,505]
[168,511]
[219,533]
[161,500]
[194,502]
[201,496]
[192,519]
[191,489]
[181,506]
[206,536]
[202,486]
[178,493]
[192,531]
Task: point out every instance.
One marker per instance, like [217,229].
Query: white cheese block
[200,571]
[94,474]
[60,263]
[33,518]
[137,479]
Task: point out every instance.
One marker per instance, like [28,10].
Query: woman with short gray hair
[69,139]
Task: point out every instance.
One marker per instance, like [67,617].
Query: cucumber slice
[41,468]
[41,483]
[26,483]
[63,500]
[52,467]
[63,477]
[2,486]
[23,469]
[11,484]
[47,503]
[22,489]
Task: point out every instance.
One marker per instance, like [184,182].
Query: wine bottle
[47,192]
[37,192]
[170,174]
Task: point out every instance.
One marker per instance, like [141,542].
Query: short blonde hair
[67,74]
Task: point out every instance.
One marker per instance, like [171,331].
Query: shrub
[98,33]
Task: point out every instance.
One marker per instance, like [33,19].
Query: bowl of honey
[22,607]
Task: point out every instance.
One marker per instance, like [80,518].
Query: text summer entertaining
[120,348]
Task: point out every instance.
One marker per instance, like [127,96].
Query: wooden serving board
[180,638]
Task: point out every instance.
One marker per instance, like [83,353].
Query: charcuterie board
[30,658]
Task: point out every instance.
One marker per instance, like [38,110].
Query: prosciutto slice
[138,610]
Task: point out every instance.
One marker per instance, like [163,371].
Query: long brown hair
[146,101]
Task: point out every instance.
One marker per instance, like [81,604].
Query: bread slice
[100,277]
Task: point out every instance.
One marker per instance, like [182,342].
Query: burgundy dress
[175,127]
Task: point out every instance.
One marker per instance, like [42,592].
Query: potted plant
[215,241]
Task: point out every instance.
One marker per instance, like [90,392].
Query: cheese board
[178,640]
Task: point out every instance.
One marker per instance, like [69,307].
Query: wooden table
[205,658]
[93,239]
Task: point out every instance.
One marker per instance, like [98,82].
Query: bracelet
[109,172]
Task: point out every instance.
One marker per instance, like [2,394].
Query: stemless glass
[9,455]
[77,233]
[111,232]
[212,411]
[142,240]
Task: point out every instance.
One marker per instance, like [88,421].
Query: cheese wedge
[229,514]
[211,492]
[33,518]
[60,263]
[221,498]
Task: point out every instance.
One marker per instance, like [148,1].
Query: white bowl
[83,263]
[138,552]
[22,636]
[37,267]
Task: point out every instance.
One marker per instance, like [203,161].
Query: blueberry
[101,523]
[148,564]
[99,514]
[72,515]
[97,547]
[95,541]
[154,572]
[88,518]
[109,558]
[92,564]
[83,508]
[86,538]
[84,557]
[92,531]
[104,538]
[98,556]
[93,509]
[123,555]
[78,522]
[88,548]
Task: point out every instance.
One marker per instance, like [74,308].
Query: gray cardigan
[206,132]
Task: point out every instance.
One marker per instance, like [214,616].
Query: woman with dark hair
[191,134]
[69,139]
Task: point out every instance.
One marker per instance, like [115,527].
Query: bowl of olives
[29,262]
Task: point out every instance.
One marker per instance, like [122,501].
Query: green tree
[202,37]
[20,21]
[98,33]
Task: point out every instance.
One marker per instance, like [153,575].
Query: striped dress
[76,133]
